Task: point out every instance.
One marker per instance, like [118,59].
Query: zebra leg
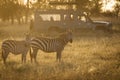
[35,54]
[31,56]
[58,56]
[4,56]
[24,57]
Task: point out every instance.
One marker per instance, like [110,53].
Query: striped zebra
[15,47]
[50,45]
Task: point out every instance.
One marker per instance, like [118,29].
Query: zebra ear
[27,33]
[27,36]
[69,30]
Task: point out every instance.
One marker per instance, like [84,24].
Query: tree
[27,11]
[95,7]
[11,9]
[82,4]
[117,8]
[7,9]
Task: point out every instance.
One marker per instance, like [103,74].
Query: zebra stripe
[15,47]
[50,44]
[8,45]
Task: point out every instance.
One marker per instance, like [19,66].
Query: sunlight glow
[25,1]
[108,5]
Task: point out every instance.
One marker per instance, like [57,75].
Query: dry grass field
[91,56]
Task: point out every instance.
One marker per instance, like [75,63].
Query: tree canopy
[10,9]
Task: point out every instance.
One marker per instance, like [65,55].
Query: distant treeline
[11,10]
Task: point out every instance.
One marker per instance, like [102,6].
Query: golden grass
[90,57]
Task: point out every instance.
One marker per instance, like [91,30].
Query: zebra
[16,47]
[50,45]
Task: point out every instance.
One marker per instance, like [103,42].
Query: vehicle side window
[82,18]
[50,17]
[69,17]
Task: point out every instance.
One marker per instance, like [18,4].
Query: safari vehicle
[57,19]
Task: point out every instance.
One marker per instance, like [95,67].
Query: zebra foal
[50,45]
[15,47]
